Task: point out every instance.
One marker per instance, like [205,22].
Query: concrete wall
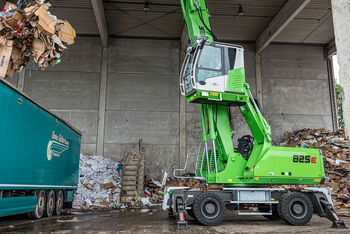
[142,99]
[71,89]
[295,88]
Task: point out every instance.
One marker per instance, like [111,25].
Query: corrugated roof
[313,25]
[83,20]
[164,20]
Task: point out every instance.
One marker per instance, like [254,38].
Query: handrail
[186,164]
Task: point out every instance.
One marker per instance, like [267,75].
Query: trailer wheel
[59,202]
[296,208]
[40,205]
[209,209]
[50,203]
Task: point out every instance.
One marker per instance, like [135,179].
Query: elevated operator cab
[213,71]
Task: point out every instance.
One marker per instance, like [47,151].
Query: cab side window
[232,57]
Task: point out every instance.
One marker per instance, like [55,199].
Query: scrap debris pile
[29,28]
[154,190]
[334,147]
[99,183]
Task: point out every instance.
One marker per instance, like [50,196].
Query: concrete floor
[135,222]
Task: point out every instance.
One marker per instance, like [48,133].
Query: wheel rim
[59,203]
[298,208]
[210,209]
[41,203]
[51,203]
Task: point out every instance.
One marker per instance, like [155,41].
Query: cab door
[209,70]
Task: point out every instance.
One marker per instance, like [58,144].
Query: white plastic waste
[99,183]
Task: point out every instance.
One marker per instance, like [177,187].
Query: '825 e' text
[304,159]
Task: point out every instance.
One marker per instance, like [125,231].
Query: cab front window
[209,63]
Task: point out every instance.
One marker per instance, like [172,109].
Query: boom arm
[196,16]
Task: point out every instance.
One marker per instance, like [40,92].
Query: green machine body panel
[236,81]
[38,149]
[213,76]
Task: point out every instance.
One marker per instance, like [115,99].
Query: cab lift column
[209,207]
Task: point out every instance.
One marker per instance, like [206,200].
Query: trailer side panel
[38,149]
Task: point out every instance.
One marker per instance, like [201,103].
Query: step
[254,213]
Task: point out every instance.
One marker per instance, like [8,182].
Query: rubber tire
[275,216]
[38,213]
[59,202]
[50,203]
[197,209]
[171,213]
[285,212]
[191,213]
[30,215]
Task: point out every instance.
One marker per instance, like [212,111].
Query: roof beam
[97,5]
[287,13]
[331,48]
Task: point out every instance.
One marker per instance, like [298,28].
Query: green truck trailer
[39,157]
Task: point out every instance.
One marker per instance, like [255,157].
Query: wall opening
[339,93]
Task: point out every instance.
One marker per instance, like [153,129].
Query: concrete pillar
[182,120]
[258,78]
[183,135]
[102,103]
[341,18]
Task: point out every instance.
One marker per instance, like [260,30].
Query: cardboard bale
[30,11]
[35,31]
[66,32]
[10,70]
[3,40]
[46,24]
[38,48]
[9,6]
[14,21]
[5,55]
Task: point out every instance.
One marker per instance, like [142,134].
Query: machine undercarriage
[209,207]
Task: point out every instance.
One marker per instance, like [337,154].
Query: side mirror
[202,82]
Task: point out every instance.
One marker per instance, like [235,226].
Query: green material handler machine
[213,76]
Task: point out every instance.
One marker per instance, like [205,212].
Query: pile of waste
[334,147]
[100,187]
[29,28]
[100,180]
[99,184]
[155,190]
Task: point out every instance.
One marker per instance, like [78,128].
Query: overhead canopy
[127,18]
